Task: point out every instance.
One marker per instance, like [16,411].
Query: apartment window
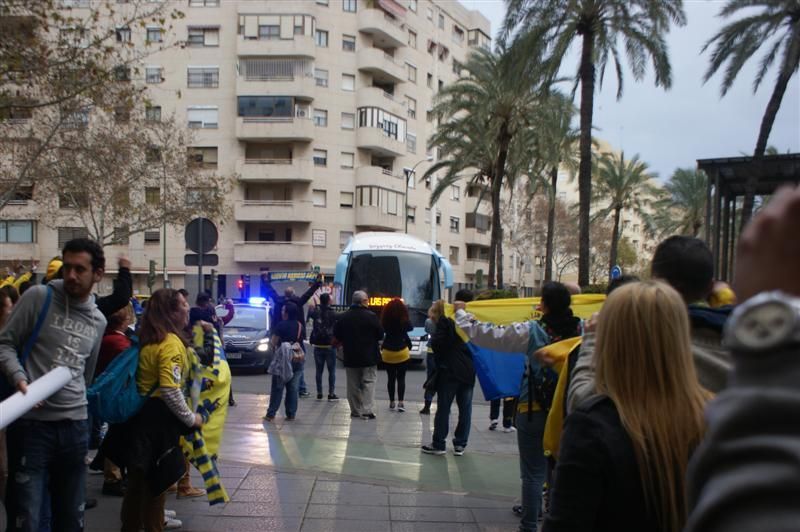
[198,195]
[411,214]
[411,107]
[19,232]
[152,113]
[152,154]
[77,120]
[458,34]
[269,32]
[321,117]
[428,182]
[203,37]
[430,13]
[321,38]
[427,215]
[411,178]
[74,3]
[122,235]
[152,195]
[348,82]
[454,223]
[441,21]
[155,35]
[346,200]
[430,80]
[412,73]
[441,84]
[319,198]
[411,143]
[21,196]
[152,237]
[455,193]
[322,2]
[204,157]
[203,3]
[122,73]
[202,77]
[392,125]
[412,39]
[438,217]
[65,234]
[348,120]
[349,6]
[153,74]
[348,43]
[453,255]
[344,238]
[123,34]
[321,77]
[456,67]
[412,5]
[348,159]
[320,157]
[203,117]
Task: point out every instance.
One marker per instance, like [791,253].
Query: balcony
[381,65]
[377,176]
[19,251]
[385,31]
[474,236]
[299,46]
[265,128]
[272,211]
[300,252]
[375,97]
[471,266]
[376,139]
[302,87]
[274,170]
[372,218]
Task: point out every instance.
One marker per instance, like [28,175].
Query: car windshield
[249,318]
[412,276]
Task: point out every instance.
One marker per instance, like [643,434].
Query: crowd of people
[671,408]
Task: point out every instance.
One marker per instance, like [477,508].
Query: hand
[591,323]
[768,256]
[229,301]
[198,421]
[124,262]
[544,357]
[207,327]
[22,386]
[34,264]
[459,305]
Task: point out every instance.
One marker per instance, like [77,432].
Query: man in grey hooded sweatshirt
[49,443]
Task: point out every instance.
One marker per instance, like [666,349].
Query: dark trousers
[396,374]
[325,356]
[141,509]
[447,391]
[509,410]
[430,367]
[47,457]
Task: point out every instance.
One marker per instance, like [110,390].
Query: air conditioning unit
[302,113]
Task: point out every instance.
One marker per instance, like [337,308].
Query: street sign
[616,272]
[190,259]
[201,235]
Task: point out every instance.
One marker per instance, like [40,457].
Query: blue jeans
[532,466]
[301,387]
[47,456]
[448,390]
[430,366]
[276,394]
[325,356]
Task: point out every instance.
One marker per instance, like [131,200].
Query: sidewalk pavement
[327,472]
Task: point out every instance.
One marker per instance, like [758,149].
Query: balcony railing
[249,160]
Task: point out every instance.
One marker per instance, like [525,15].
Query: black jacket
[453,357]
[359,331]
[279,301]
[397,336]
[324,319]
[120,297]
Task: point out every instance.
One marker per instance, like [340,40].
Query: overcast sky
[672,129]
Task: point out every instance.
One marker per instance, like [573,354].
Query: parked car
[246,339]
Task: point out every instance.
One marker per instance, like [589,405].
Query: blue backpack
[114,397]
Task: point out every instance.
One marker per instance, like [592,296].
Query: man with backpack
[324,318]
[47,447]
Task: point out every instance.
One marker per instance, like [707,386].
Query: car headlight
[262,347]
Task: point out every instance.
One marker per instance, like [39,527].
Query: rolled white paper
[39,390]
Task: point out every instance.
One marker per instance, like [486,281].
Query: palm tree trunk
[551,224]
[612,259]
[787,69]
[585,171]
[503,141]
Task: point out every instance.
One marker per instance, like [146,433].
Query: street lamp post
[409,174]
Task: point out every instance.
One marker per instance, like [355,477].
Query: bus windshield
[411,276]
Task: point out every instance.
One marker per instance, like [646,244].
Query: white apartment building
[321,108]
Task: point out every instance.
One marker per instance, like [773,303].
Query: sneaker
[493,424]
[391,405]
[401,407]
[319,397]
[426,411]
[430,449]
[368,416]
[304,394]
[170,513]
[289,418]
[231,402]
[509,429]
[458,450]
[268,418]
[170,523]
[354,415]
[115,489]
[90,503]
[333,397]
[517,510]
[190,493]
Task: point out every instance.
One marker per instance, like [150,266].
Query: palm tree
[479,116]
[622,185]
[601,26]
[778,26]
[682,211]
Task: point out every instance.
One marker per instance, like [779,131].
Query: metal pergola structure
[726,184]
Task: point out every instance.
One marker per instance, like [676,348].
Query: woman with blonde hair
[624,453]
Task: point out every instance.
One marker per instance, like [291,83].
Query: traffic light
[240,283]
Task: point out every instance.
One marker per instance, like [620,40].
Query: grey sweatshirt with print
[70,336]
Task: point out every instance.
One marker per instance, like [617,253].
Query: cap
[53,268]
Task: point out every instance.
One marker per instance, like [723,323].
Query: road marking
[383,460]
